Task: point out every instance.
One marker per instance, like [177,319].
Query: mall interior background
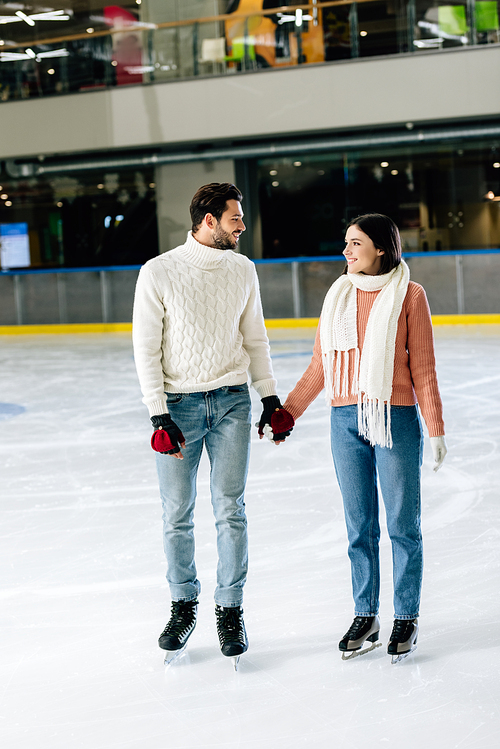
[113,115]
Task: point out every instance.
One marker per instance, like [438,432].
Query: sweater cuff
[265,387]
[157,408]
[436,430]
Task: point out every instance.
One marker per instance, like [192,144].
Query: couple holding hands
[199,333]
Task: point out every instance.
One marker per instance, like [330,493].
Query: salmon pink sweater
[414,378]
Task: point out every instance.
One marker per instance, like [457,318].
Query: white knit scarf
[373,375]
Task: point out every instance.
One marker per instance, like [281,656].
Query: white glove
[439,451]
[268,432]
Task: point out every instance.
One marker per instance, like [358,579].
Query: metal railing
[101,56]
[462,282]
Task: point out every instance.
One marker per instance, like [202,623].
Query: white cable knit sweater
[198,324]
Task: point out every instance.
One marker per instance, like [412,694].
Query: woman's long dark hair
[385,236]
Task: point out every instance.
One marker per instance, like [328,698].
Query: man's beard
[223,240]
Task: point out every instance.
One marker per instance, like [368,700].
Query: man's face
[227,231]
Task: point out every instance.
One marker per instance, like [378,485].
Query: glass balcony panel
[161,41]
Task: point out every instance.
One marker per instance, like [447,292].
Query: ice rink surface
[84,597]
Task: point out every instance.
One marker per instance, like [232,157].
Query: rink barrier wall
[284,323]
[463,282]
[68,329]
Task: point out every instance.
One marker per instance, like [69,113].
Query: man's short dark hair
[212,199]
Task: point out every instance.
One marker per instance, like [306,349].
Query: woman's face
[361,254]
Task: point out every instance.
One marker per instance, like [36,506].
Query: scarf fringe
[336,370]
[355,379]
[374,421]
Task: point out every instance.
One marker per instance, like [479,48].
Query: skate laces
[229,625]
[401,630]
[181,619]
[358,623]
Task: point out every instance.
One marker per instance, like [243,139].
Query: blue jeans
[357,465]
[221,420]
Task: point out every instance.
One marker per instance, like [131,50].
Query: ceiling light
[284,18]
[51,71]
[90,30]
[275,184]
[490,195]
[384,164]
[428,43]
[52,15]
[139,69]
[273,172]
[8,203]
[4,196]
[30,55]
[54,53]
[394,172]
[13,56]
[363,33]
[25,18]
[496,165]
[297,163]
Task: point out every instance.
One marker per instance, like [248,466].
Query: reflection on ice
[84,596]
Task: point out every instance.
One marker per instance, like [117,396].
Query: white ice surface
[83,594]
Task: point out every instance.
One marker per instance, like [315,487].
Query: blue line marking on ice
[9,410]
[291,353]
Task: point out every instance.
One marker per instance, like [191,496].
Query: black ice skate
[232,634]
[182,621]
[363,629]
[403,640]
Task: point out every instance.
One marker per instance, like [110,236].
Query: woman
[374,354]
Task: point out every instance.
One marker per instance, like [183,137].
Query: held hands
[439,451]
[275,423]
[167,436]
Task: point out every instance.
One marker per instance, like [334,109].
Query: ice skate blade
[173,655]
[349,655]
[235,659]
[401,656]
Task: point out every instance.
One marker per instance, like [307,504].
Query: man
[198,330]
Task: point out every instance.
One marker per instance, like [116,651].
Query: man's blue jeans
[357,465]
[221,420]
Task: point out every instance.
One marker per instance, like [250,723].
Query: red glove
[282,423]
[167,435]
[275,422]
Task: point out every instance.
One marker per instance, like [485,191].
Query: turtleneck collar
[201,256]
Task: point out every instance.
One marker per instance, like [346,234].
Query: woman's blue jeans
[357,465]
[220,420]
